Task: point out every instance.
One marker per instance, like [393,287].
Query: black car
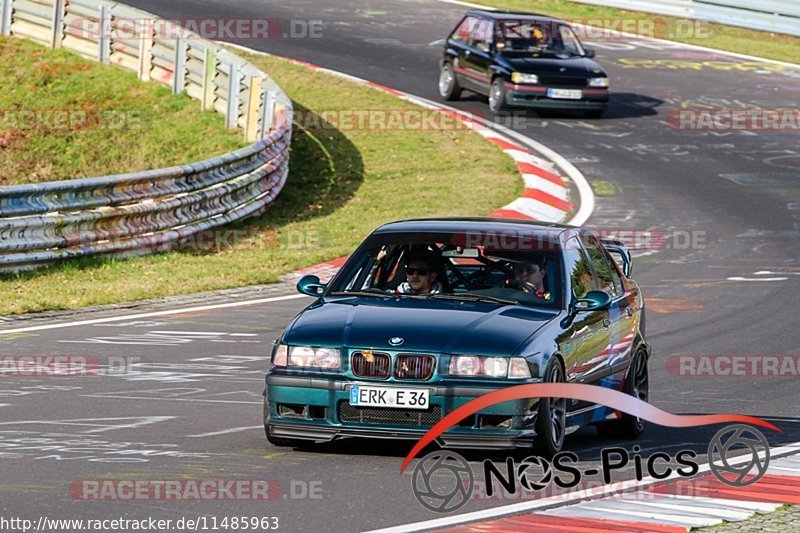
[522,60]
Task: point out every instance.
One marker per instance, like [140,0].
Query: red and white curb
[546,197]
[674,505]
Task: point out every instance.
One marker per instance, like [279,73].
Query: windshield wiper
[377,292]
[474,298]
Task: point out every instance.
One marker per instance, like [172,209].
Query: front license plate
[565,94]
[361,396]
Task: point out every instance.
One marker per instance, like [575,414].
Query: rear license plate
[565,94]
[361,396]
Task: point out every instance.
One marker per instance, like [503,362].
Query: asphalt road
[734,291]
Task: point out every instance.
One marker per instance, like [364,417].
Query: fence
[779,16]
[152,210]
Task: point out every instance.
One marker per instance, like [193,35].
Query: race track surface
[725,282]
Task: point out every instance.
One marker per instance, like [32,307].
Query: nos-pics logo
[443,481]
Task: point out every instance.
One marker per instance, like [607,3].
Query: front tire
[497,96]
[551,420]
[637,384]
[449,89]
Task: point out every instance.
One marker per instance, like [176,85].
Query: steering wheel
[523,286]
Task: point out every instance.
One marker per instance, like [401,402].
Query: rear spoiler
[619,251]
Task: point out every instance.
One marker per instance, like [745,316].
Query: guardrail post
[267,112]
[209,73]
[57,28]
[253,101]
[179,79]
[145,48]
[232,116]
[6,7]
[104,38]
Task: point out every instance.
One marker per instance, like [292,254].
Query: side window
[482,35]
[601,267]
[615,275]
[463,32]
[579,270]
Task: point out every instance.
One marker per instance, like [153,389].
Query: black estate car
[522,60]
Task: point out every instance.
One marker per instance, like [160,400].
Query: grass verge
[64,117]
[730,38]
[343,183]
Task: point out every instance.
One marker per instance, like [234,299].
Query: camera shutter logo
[534,473]
[443,481]
[724,447]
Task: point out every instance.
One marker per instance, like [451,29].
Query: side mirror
[593,301]
[310,286]
[589,52]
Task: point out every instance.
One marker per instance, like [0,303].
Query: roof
[458,224]
[518,15]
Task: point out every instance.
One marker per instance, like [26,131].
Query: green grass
[63,117]
[343,183]
[730,38]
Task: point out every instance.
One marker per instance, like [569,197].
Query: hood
[574,67]
[424,325]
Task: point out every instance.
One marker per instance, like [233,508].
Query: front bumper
[321,421]
[535,97]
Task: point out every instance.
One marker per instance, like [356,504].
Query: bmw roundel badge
[396,341]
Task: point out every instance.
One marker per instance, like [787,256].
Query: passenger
[530,278]
[421,276]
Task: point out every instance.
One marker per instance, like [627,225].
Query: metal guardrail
[779,16]
[143,212]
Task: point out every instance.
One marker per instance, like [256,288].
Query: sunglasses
[411,271]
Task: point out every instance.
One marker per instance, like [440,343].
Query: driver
[421,276]
[531,275]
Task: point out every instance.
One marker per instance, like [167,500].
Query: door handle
[629,310]
[606,322]
[467,53]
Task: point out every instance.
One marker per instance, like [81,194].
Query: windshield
[537,39]
[452,266]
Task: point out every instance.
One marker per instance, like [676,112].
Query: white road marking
[97,423]
[212,333]
[739,278]
[154,313]
[225,431]
[194,400]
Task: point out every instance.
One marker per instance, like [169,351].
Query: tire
[497,96]
[637,384]
[449,89]
[594,113]
[551,421]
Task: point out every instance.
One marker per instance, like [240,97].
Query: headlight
[599,82]
[307,357]
[519,77]
[490,367]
